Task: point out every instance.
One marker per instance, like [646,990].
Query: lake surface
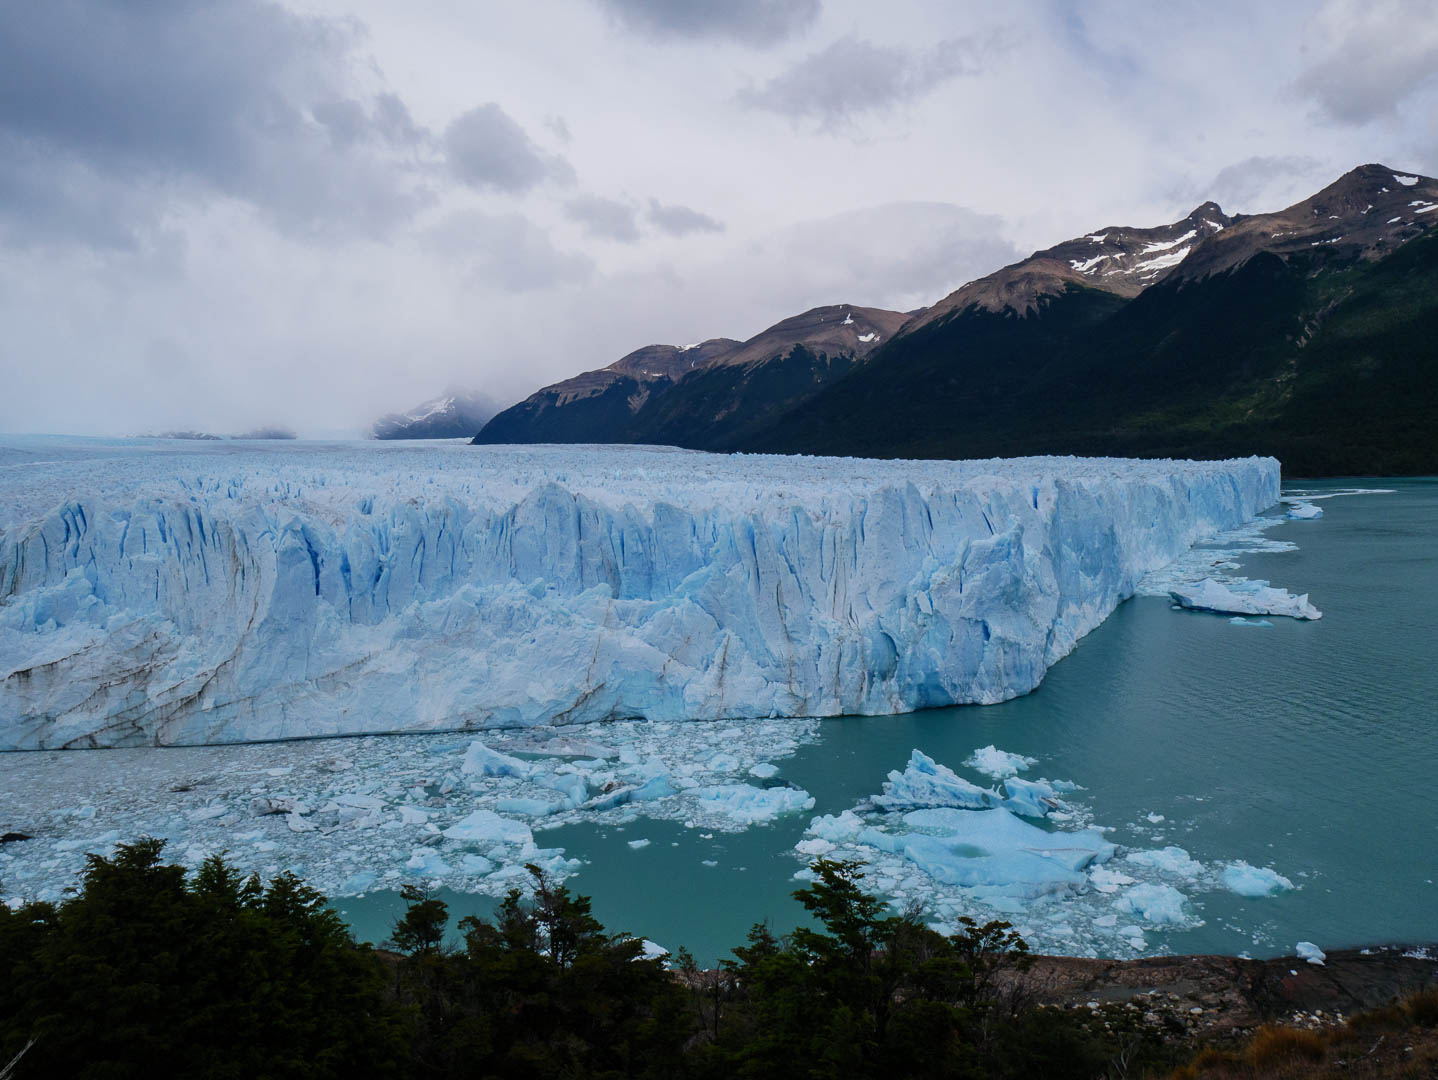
[1311,747]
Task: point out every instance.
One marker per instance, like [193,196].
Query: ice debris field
[164,594]
[351,815]
[1022,850]
[361,814]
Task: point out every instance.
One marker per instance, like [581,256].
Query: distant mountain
[596,406]
[456,414]
[272,431]
[710,395]
[1310,334]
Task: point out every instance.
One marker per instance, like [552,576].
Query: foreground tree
[147,973]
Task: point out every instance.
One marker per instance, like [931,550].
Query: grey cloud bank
[112,115]
[760,23]
[487,149]
[223,213]
[853,76]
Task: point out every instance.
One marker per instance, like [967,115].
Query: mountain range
[1310,334]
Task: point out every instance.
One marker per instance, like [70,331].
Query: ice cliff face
[224,595]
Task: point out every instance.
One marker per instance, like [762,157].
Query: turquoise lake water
[1308,747]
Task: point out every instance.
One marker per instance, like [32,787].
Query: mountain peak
[1366,213]
[1118,259]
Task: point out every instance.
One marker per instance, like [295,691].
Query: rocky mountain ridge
[627,401]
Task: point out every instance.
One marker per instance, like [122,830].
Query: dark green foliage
[544,991]
[420,930]
[149,973]
[1330,366]
[146,974]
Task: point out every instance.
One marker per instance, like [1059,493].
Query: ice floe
[991,761]
[1243,598]
[934,838]
[1238,877]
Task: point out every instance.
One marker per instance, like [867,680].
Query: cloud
[506,251]
[679,220]
[559,128]
[758,23]
[1365,57]
[1265,184]
[112,115]
[607,219]
[853,76]
[899,255]
[487,149]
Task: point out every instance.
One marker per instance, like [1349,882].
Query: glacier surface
[163,595]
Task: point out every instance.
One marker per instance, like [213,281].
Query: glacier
[164,595]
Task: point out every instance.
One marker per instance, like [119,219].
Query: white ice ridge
[149,596]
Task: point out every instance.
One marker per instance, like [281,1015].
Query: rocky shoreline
[1221,996]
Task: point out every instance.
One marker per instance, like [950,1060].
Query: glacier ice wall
[156,596]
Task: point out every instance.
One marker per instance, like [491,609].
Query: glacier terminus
[239,592]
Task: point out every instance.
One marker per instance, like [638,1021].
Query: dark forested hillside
[1328,363]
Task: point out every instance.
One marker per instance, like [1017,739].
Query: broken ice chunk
[926,783]
[487,826]
[1238,877]
[998,763]
[426,860]
[749,804]
[1158,904]
[1243,598]
[480,759]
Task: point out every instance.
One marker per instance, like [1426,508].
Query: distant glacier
[162,595]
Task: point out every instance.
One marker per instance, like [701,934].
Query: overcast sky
[222,213]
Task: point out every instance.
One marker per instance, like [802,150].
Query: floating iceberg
[1154,903]
[749,804]
[991,761]
[1304,511]
[1243,598]
[925,783]
[238,592]
[1245,880]
[487,827]
[1306,950]
[1172,861]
